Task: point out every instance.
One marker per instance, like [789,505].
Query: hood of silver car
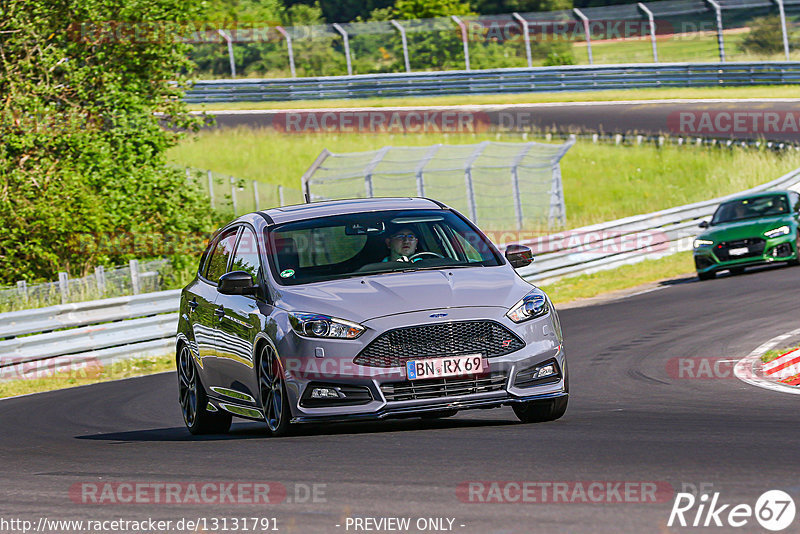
[362,298]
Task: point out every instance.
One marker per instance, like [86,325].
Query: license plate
[472,364]
[738,251]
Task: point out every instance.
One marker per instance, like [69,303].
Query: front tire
[541,411]
[710,275]
[272,388]
[194,401]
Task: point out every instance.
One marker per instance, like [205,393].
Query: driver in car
[401,243]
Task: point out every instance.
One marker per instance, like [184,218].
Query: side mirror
[236,283]
[519,256]
[703,224]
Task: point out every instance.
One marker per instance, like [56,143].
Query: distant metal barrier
[568,78]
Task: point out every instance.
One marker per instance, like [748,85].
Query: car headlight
[534,304]
[702,243]
[775,232]
[316,325]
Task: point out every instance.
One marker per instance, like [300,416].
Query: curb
[752,371]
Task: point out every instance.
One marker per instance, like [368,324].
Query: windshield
[372,243]
[751,208]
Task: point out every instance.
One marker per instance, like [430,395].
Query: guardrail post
[720,39]
[134,267]
[515,182]
[100,278]
[210,187]
[255,194]
[587,31]
[473,208]
[464,39]
[280,196]
[525,37]
[782,13]
[652,29]
[233,195]
[225,35]
[405,43]
[22,290]
[63,286]
[288,38]
[346,40]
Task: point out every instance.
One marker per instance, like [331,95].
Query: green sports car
[749,230]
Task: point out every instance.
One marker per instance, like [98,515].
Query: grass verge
[519,98]
[625,277]
[89,374]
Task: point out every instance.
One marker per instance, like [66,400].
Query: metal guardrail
[70,335]
[567,78]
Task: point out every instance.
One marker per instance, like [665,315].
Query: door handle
[220,312]
[192,305]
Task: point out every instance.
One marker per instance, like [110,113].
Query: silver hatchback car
[363,309]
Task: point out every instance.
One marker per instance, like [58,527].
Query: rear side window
[218,262]
[246,258]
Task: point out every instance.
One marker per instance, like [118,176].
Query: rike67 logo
[774,510]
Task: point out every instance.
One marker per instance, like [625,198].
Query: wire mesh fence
[664,31]
[235,196]
[132,279]
[496,184]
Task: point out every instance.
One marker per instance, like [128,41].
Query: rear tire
[710,275]
[194,401]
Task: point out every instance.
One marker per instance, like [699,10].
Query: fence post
[288,38]
[470,188]
[587,31]
[255,193]
[557,208]
[100,277]
[515,182]
[652,29]
[418,172]
[225,35]
[63,286]
[525,37]
[346,40]
[134,266]
[305,179]
[233,195]
[370,168]
[405,43]
[464,38]
[22,290]
[211,187]
[782,13]
[720,37]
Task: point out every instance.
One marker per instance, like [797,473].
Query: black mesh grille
[395,347]
[443,387]
[755,247]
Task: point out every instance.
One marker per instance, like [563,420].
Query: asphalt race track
[628,420]
[646,118]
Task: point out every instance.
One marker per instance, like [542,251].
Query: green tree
[765,36]
[83,152]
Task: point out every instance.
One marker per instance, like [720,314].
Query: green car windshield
[375,243]
[751,208]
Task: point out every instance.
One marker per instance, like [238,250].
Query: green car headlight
[702,243]
[775,232]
